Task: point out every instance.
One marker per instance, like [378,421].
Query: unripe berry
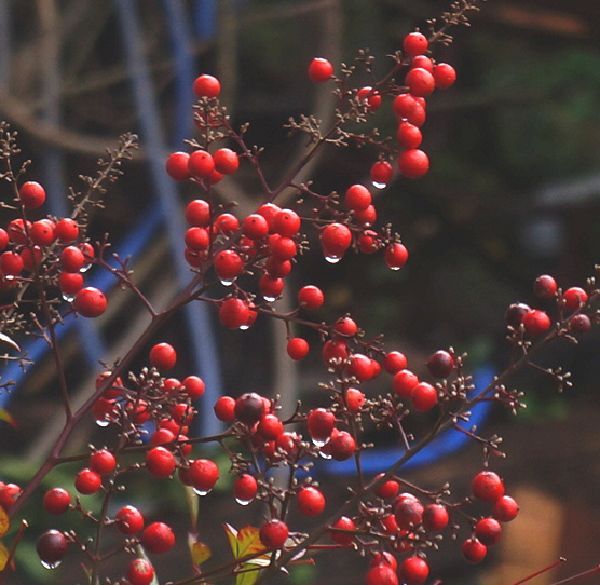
[440,364]
[102,462]
[320,70]
[444,75]
[311,298]
[297,348]
[413,163]
[343,523]
[488,531]
[163,356]
[129,520]
[177,166]
[274,533]
[225,409]
[311,501]
[87,481]
[52,546]
[90,302]
[415,43]
[487,486]
[536,322]
[158,538]
[414,570]
[207,86]
[56,501]
[160,462]
[420,82]
[505,509]
[140,572]
[396,256]
[32,194]
[474,551]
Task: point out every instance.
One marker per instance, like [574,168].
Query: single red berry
[381,575]
[488,531]
[396,256]
[270,288]
[360,367]
[545,286]
[354,399]
[160,462]
[381,173]
[357,197]
[234,313]
[343,523]
[129,520]
[320,70]
[444,75]
[282,247]
[320,423]
[274,533]
[415,43]
[226,161]
[574,298]
[255,226]
[16,230]
[487,486]
[409,513]
[424,397]
[435,517]
[440,364]
[225,409]
[249,408]
[368,242]
[388,489]
[207,86]
[197,238]
[67,230]
[245,488]
[87,481]
[394,361]
[201,164]
[163,356]
[269,211]
[52,546]
[536,322]
[11,264]
[177,166]
[4,239]
[404,383]
[158,538]
[32,194]
[9,493]
[197,213]
[102,462]
[407,107]
[228,264]
[413,163]
[515,313]
[414,570]
[366,217]
[474,551]
[311,501]
[346,326]
[43,232]
[57,501]
[277,268]
[389,524]
[580,323]
[32,257]
[505,509]
[341,445]
[420,82]
[334,349]
[297,348]
[72,259]
[423,62]
[286,222]
[90,302]
[408,135]
[269,427]
[336,239]
[140,572]
[194,386]
[70,283]
[226,223]
[384,558]
[311,298]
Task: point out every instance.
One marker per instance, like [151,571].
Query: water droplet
[227,281]
[394,267]
[379,185]
[202,492]
[243,502]
[9,277]
[320,442]
[68,298]
[244,327]
[102,422]
[54,565]
[269,299]
[324,455]
[333,259]
[86,267]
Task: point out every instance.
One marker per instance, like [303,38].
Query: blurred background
[514,191]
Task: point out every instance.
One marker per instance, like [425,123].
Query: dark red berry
[249,408]
[343,523]
[440,364]
[381,575]
[536,322]
[435,517]
[52,546]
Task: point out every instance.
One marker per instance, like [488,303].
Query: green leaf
[245,542]
[199,551]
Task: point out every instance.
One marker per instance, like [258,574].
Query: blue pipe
[205,19]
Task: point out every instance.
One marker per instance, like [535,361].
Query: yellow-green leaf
[248,577]
[244,543]
[199,551]
[4,522]
[7,418]
[3,557]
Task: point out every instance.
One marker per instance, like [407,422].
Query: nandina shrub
[239,265]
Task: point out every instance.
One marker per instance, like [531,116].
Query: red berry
[371,97]
[396,256]
[408,135]
[388,489]
[286,222]
[129,520]
[424,397]
[32,194]
[234,313]
[282,247]
[381,575]
[545,286]
[580,323]
[407,107]
[440,364]
[67,230]
[102,462]
[311,298]
[488,531]
[320,70]
[226,161]
[201,164]
[366,217]
[311,501]
[360,367]
[386,559]
[409,513]
[56,501]
[368,242]
[163,356]
[225,409]
[414,571]
[197,213]
[536,322]
[177,166]
[269,427]
[487,486]
[158,538]
[515,313]
[4,239]
[274,533]
[415,43]
[404,383]
[343,523]
[245,488]
[277,268]
[16,231]
[72,259]
[249,408]
[52,546]
[90,302]
[87,481]
[11,263]
[346,326]
[160,462]
[413,163]
[228,264]
[194,386]
[474,551]
[420,82]
[226,223]
[444,75]
[423,62]
[394,361]
[334,349]
[320,423]
[435,517]
[270,288]
[297,348]
[341,445]
[381,173]
[203,474]
[255,226]
[354,399]
[574,298]
[505,509]
[140,572]
[207,86]
[389,524]
[70,283]
[269,211]
[336,239]
[197,238]
[357,197]
[42,232]
[9,493]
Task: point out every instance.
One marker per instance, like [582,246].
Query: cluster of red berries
[50,247]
